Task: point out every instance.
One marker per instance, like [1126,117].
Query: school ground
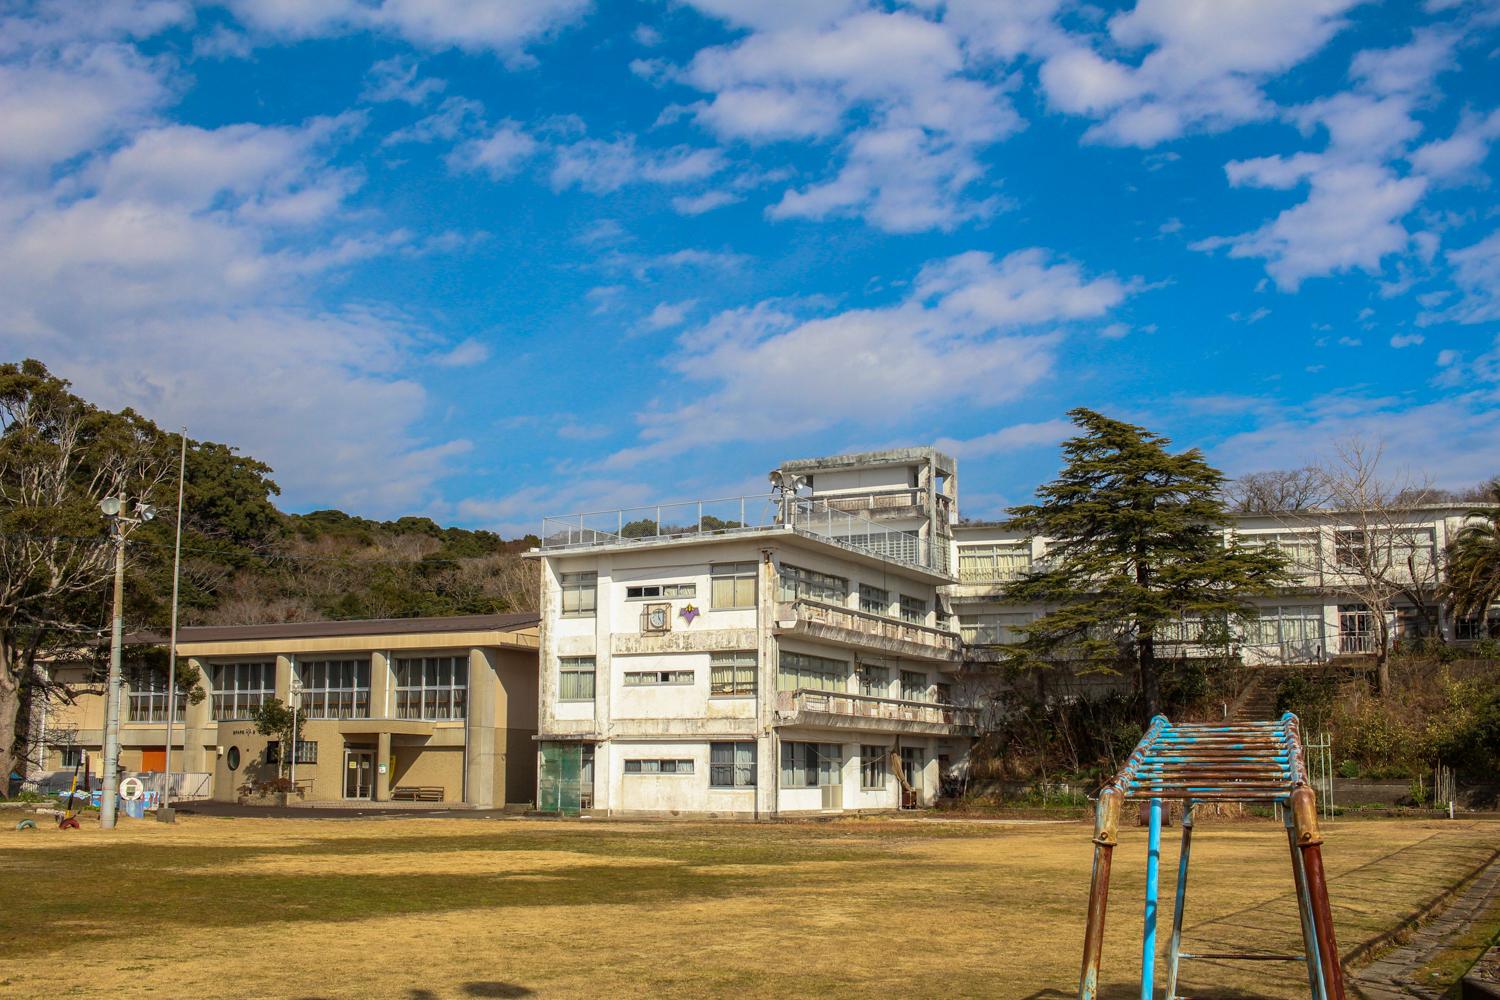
[422,909]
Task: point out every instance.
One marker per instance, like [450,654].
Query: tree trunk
[10,711]
[1383,658]
[1150,685]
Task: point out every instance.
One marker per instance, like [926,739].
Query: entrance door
[566,784]
[359,774]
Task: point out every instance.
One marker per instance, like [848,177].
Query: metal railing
[869,624]
[1358,642]
[864,706]
[732,516]
[884,500]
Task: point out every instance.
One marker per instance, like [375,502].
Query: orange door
[154,759]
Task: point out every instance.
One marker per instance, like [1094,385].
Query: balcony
[737,516]
[851,629]
[886,503]
[836,710]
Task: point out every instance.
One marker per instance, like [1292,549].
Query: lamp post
[120,522]
[294,695]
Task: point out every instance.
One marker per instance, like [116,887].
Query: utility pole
[164,808]
[114,509]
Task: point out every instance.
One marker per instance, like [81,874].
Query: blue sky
[490,261]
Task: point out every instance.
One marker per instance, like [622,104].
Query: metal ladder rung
[1245,956]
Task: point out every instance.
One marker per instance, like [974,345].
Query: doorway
[913,762]
[359,773]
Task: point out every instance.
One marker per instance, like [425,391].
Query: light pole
[164,811]
[114,509]
[294,695]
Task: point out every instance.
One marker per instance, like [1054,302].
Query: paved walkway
[1391,976]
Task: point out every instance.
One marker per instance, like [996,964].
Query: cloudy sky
[488,261]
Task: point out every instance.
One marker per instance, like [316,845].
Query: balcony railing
[1353,643]
[863,706]
[865,623]
[884,500]
[733,516]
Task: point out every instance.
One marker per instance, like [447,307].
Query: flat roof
[359,626]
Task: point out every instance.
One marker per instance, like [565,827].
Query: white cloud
[465,354]
[501,153]
[603,166]
[1476,271]
[1401,340]
[973,331]
[697,204]
[646,35]
[472,25]
[396,79]
[1016,437]
[1458,157]
[668,314]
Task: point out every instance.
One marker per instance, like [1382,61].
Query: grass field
[427,909]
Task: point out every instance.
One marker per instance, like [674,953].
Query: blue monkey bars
[1194,763]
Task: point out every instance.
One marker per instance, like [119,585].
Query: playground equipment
[1259,762]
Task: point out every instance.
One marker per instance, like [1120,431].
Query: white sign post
[132,789]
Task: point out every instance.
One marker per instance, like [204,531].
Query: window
[148,697]
[653,678]
[579,594]
[731,765]
[993,563]
[809,765]
[655,591]
[576,678]
[874,600]
[72,756]
[732,584]
[432,687]
[913,610]
[1299,549]
[872,767]
[659,766]
[913,686]
[813,672]
[798,584]
[1293,632]
[1349,549]
[335,689]
[241,688]
[874,682]
[993,630]
[732,673]
[943,693]
[307,752]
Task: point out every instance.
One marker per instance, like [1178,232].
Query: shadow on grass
[474,989]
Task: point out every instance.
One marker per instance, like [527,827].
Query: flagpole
[164,811]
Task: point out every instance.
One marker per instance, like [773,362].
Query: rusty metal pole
[1304,914]
[1310,843]
[1106,836]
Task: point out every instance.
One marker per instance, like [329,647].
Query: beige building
[429,709]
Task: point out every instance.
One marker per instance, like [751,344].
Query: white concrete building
[755,657]
[1325,614]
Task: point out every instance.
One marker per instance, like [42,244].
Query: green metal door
[560,789]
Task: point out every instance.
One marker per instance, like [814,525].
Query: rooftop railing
[732,516]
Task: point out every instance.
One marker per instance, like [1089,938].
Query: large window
[148,697]
[874,681]
[731,765]
[432,687]
[874,600]
[241,688]
[579,594]
[1292,632]
[805,584]
[732,584]
[914,610]
[732,673]
[1298,548]
[798,670]
[575,678]
[656,765]
[809,765]
[993,630]
[336,689]
[872,767]
[993,563]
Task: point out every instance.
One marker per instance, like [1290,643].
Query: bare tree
[1383,551]
[1277,491]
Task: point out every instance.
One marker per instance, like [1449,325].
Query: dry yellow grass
[426,909]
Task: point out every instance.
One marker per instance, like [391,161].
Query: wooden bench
[417,793]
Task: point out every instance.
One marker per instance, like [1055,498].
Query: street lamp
[294,696]
[120,523]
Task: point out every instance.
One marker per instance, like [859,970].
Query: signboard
[131,789]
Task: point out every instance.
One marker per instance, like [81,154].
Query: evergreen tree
[1137,543]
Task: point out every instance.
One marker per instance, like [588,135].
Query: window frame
[661,678]
[734,573]
[574,665]
[239,698]
[661,769]
[579,584]
[797,583]
[740,773]
[913,610]
[869,605]
[839,680]
[318,693]
[872,763]
[741,664]
[429,696]
[664,591]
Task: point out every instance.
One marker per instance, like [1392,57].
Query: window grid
[653,765]
[913,686]
[811,765]
[799,584]
[335,689]
[914,610]
[432,687]
[798,670]
[872,767]
[580,594]
[732,673]
[656,591]
[576,678]
[241,688]
[148,698]
[873,600]
[732,585]
[731,765]
[993,563]
[656,678]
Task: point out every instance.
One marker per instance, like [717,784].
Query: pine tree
[1137,543]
